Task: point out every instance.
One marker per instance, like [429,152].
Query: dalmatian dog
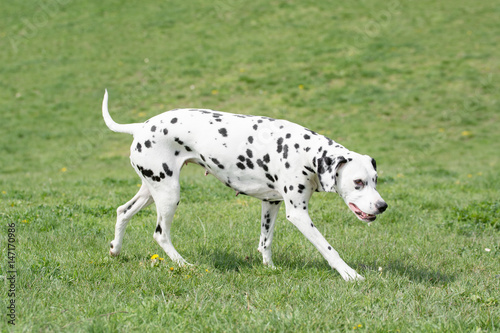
[273,160]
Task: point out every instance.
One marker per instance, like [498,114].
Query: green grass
[413,84]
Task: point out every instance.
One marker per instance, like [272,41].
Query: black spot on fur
[202,157]
[177,153]
[223,132]
[285,189]
[285,151]
[165,131]
[308,169]
[250,139]
[241,158]
[249,153]
[262,165]
[255,127]
[270,177]
[145,172]
[296,146]
[288,136]
[139,147]
[287,165]
[307,137]
[179,141]
[153,128]
[147,144]
[173,121]
[167,170]
[217,163]
[280,145]
[266,158]
[158,229]
[240,165]
[249,163]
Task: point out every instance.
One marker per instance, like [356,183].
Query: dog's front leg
[300,218]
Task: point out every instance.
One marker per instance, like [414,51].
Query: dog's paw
[114,251]
[349,274]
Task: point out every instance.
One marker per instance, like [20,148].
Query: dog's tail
[112,125]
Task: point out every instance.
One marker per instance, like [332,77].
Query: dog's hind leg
[268,218]
[167,198]
[124,213]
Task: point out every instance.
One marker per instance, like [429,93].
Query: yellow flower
[161,259]
[301,86]
[466,133]
[171,268]
[154,256]
[141,114]
[215,92]
[4,192]
[64,169]
[400,175]
[469,176]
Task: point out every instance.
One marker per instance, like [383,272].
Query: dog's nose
[381,206]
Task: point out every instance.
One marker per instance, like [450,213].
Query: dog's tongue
[359,212]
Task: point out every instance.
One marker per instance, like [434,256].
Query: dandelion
[141,114]
[215,92]
[171,268]
[466,133]
[469,175]
[206,270]
[161,259]
[64,169]
[301,86]
[154,256]
[24,221]
[4,192]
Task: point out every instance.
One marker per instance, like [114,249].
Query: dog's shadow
[228,261]
[420,275]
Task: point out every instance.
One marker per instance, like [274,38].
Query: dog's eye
[358,182]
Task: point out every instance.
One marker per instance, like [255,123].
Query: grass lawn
[414,84]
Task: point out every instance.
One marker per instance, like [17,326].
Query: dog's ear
[327,171]
[374,163]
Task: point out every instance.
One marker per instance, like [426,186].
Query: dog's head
[354,178]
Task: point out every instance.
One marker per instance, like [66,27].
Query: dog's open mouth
[360,214]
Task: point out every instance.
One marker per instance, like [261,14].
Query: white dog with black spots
[273,160]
